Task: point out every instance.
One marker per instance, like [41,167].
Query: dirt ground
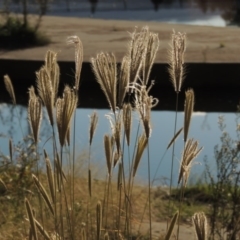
[205,44]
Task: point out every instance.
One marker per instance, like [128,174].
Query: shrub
[14,34]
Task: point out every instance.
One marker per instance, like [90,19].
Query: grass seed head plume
[144,103]
[142,143]
[188,110]
[65,108]
[93,125]
[34,113]
[152,45]
[189,154]
[108,152]
[176,65]
[78,57]
[9,87]
[127,121]
[105,69]
[123,80]
[46,91]
[200,224]
[137,52]
[52,67]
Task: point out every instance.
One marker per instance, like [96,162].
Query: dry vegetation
[61,205]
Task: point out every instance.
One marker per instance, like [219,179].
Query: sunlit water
[204,128]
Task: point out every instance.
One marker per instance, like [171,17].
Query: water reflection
[204,128]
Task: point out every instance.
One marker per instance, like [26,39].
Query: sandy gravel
[209,44]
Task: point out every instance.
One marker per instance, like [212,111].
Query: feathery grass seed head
[127,121]
[142,143]
[176,65]
[105,70]
[78,57]
[93,125]
[65,108]
[34,113]
[46,91]
[200,224]
[9,87]
[108,152]
[123,80]
[190,152]
[188,110]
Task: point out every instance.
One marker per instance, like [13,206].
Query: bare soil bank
[205,44]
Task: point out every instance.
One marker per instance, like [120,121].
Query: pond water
[192,16]
[204,128]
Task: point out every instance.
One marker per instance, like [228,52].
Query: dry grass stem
[89,182]
[42,231]
[105,69]
[200,224]
[108,152]
[9,87]
[127,121]
[171,226]
[120,176]
[188,110]
[31,219]
[65,108]
[142,143]
[99,219]
[10,144]
[174,138]
[123,80]
[189,154]
[43,193]
[78,57]
[50,177]
[176,65]
[93,125]
[34,113]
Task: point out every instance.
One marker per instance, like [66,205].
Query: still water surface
[204,128]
